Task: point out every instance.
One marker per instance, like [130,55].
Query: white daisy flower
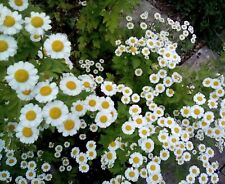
[70,126]
[27,134]
[31,115]
[22,76]
[136,159]
[84,168]
[26,95]
[11,161]
[103,119]
[19,5]
[92,103]
[70,85]
[37,23]
[128,127]
[45,167]
[55,112]
[8,47]
[79,108]
[147,145]
[132,174]
[199,99]
[108,88]
[46,91]
[11,22]
[30,174]
[106,104]
[81,158]
[197,111]
[57,46]
[87,82]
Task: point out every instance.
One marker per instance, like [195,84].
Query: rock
[201,57]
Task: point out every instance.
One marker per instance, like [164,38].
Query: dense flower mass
[135,129]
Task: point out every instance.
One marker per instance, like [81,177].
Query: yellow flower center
[153,167]
[18,2]
[45,90]
[79,107]
[109,156]
[55,113]
[155,177]
[26,92]
[31,115]
[105,105]
[69,124]
[21,75]
[92,103]
[37,21]
[109,87]
[57,46]
[71,85]
[103,119]
[9,21]
[86,84]
[128,128]
[136,160]
[131,174]
[3,46]
[148,145]
[197,111]
[27,132]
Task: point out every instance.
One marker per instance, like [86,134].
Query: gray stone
[201,57]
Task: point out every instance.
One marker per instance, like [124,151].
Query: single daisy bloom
[108,88]
[147,145]
[57,46]
[128,128]
[11,22]
[79,108]
[8,47]
[46,91]
[136,159]
[55,112]
[92,103]
[26,95]
[70,126]
[84,168]
[22,76]
[19,5]
[70,85]
[103,119]
[106,104]
[27,134]
[132,174]
[31,115]
[37,23]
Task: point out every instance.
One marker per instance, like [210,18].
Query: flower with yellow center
[78,108]
[22,76]
[26,133]
[70,85]
[57,46]
[31,115]
[108,88]
[11,22]
[19,5]
[37,23]
[70,126]
[46,91]
[136,159]
[103,119]
[8,47]
[55,113]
